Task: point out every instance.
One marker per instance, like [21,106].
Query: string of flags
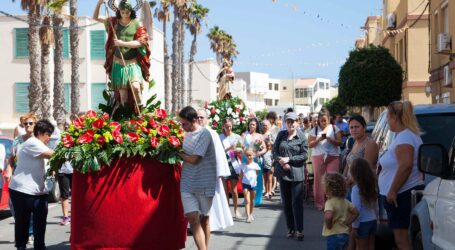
[294,8]
[317,64]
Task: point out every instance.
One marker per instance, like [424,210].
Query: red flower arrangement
[94,139]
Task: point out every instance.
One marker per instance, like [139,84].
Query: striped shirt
[199,178]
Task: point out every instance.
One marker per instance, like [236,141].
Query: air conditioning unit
[391,21]
[447,76]
[443,42]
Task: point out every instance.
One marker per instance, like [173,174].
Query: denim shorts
[249,187]
[400,217]
[337,241]
[366,229]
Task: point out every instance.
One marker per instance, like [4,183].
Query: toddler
[249,172]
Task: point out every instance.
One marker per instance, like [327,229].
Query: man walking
[198,182]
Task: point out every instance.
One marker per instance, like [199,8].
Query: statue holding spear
[127,51]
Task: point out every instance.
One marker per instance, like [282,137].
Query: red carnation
[115,126]
[163,130]
[174,141]
[101,140]
[213,111]
[68,141]
[161,113]
[79,122]
[153,123]
[241,119]
[91,114]
[117,136]
[214,124]
[98,123]
[237,110]
[154,141]
[133,137]
[105,116]
[145,130]
[87,137]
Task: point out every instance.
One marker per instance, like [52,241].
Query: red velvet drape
[134,204]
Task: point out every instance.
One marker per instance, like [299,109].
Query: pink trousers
[320,168]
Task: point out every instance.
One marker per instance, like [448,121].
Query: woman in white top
[230,141]
[399,174]
[325,141]
[28,191]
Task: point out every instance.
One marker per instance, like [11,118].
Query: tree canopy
[370,77]
[335,106]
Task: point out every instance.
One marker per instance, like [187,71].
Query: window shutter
[21,42]
[67,96]
[66,44]
[97,40]
[22,97]
[97,95]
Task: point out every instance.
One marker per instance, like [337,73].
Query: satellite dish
[428,89]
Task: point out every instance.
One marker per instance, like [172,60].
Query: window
[445,19]
[21,95]
[97,94]
[268,102]
[315,88]
[307,92]
[21,42]
[66,43]
[67,97]
[321,85]
[270,86]
[321,101]
[97,40]
[276,102]
[327,85]
[276,86]
[285,88]
[299,93]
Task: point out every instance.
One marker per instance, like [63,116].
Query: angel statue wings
[225,79]
[127,51]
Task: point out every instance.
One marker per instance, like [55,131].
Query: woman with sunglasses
[28,122]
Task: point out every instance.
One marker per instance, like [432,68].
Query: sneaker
[65,221]
[30,240]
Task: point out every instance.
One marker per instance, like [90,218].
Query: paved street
[266,232]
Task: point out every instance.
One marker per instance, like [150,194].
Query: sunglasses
[28,123]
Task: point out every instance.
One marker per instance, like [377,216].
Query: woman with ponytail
[399,174]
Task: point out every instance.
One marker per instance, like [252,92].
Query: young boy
[249,174]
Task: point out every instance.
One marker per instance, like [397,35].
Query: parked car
[432,218]
[8,143]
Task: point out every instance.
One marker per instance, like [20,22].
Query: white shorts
[193,202]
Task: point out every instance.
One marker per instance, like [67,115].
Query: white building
[16,70]
[310,92]
[262,91]
[204,81]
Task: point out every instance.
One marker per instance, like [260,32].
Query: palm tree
[163,15]
[175,68]
[183,11]
[215,35]
[74,46]
[34,90]
[46,39]
[197,14]
[59,91]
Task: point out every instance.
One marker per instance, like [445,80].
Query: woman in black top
[290,153]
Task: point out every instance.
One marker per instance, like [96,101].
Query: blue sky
[307,38]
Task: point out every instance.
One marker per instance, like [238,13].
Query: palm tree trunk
[46,41]
[182,87]
[34,90]
[74,46]
[167,80]
[59,99]
[175,68]
[190,68]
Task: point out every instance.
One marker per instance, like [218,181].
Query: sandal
[290,234]
[300,236]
